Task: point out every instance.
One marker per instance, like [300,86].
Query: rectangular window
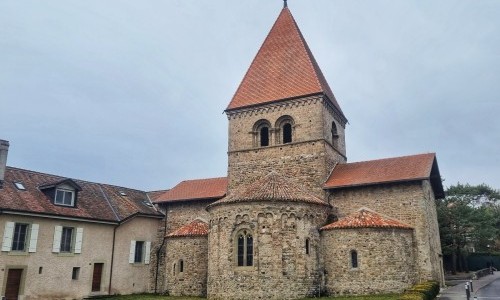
[64,197]
[76,273]
[139,246]
[66,239]
[19,239]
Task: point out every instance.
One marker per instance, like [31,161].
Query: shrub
[422,291]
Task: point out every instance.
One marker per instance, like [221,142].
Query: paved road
[490,291]
[485,288]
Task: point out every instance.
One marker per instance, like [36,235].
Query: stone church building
[293,218]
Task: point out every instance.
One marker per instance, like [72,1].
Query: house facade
[69,239]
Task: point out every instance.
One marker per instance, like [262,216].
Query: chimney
[4,148]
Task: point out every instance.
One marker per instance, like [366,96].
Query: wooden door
[96,277]
[13,284]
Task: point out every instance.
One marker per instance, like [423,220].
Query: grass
[157,297]
[374,297]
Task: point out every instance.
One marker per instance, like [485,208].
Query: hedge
[422,291]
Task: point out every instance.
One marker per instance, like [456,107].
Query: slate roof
[395,169]
[197,189]
[197,227]
[365,218]
[94,201]
[272,187]
[283,68]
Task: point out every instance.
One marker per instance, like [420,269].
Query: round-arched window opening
[264,136]
[287,133]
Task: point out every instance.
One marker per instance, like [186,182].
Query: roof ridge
[74,179]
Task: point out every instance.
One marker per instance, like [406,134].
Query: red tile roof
[283,68]
[365,218]
[195,228]
[210,188]
[405,168]
[272,187]
[94,201]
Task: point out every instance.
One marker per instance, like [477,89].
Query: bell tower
[284,116]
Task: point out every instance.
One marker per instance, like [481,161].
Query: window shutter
[7,236]
[56,247]
[131,257]
[33,238]
[147,254]
[78,240]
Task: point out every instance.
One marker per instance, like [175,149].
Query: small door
[13,284]
[96,277]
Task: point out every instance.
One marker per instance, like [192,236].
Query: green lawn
[156,297]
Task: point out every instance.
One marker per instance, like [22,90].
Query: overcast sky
[132,93]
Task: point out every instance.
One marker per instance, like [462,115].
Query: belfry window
[264,136]
[335,134]
[262,133]
[245,249]
[287,133]
[354,259]
[284,127]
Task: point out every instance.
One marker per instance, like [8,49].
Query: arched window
[262,133]
[287,133]
[245,249]
[264,136]
[354,259]
[181,266]
[307,246]
[284,130]
[335,134]
[173,269]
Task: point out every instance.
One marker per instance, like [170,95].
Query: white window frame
[76,240]
[146,255]
[30,239]
[64,191]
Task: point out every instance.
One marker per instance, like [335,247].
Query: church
[292,218]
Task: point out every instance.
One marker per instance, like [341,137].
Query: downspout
[160,249]
[112,259]
[114,235]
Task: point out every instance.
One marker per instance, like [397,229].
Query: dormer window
[63,192]
[65,197]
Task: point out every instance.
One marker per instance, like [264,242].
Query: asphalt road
[490,291]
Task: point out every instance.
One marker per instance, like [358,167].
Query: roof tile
[394,169]
[283,68]
[210,188]
[272,187]
[197,227]
[365,218]
[94,201]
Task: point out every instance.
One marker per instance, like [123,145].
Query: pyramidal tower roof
[283,68]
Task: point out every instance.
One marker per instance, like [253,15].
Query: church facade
[293,218]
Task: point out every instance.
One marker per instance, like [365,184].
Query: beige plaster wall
[132,278]
[55,281]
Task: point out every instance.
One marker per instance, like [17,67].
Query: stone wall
[180,213]
[192,279]
[386,261]
[282,268]
[308,159]
[409,202]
